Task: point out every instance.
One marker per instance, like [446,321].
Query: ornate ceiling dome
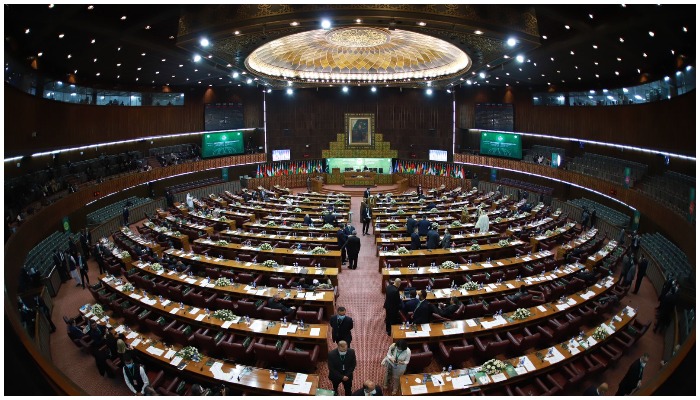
[357,55]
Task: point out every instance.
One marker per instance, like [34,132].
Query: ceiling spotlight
[449,91]
[666,79]
[294,23]
[269,90]
[477,32]
[544,37]
[590,16]
[519,58]
[249,81]
[148,27]
[622,40]
[326,24]
[138,69]
[162,60]
[197,58]
[236,32]
[567,27]
[290,91]
[688,68]
[511,42]
[204,42]
[69,56]
[374,89]
[90,7]
[235,74]
[595,46]
[50,5]
[92,41]
[429,92]
[685,29]
[97,74]
[143,54]
[482,75]
[572,52]
[644,55]
[123,17]
[61,35]
[617,72]
[619,59]
[421,23]
[625,90]
[651,33]
[469,81]
[345,89]
[595,62]
[40,54]
[26,31]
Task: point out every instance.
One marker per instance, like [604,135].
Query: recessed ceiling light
[148,27]
[196,70]
[157,72]
[544,37]
[605,90]
[180,65]
[119,64]
[235,74]
[40,54]
[482,75]
[651,33]
[171,37]
[326,24]
[97,74]
[430,91]
[117,76]
[294,23]
[137,79]
[595,62]
[622,40]
[567,27]
[685,29]
[617,72]
[69,56]
[236,32]
[290,91]
[506,56]
[558,72]
[345,89]
[92,41]
[576,66]
[551,58]
[143,54]
[243,73]
[26,31]
[644,55]
[50,5]
[209,56]
[595,46]
[673,52]
[572,52]
[61,35]
[162,60]
[639,71]
[520,58]
[119,49]
[204,42]
[579,78]
[511,42]
[138,68]
[619,59]
[123,17]
[477,32]
[197,58]
[597,76]
[623,5]
[421,23]
[590,16]
[95,60]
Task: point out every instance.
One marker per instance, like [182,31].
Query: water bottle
[208,280]
[254,285]
[247,320]
[271,375]
[301,324]
[160,299]
[452,285]
[425,378]
[427,288]
[443,371]
[449,369]
[280,286]
[274,375]
[182,305]
[284,320]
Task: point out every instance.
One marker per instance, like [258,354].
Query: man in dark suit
[415,239]
[433,239]
[348,229]
[366,195]
[423,226]
[125,215]
[83,267]
[599,390]
[276,302]
[392,304]
[446,241]
[448,310]
[365,217]
[419,191]
[369,388]
[633,378]
[642,270]
[307,220]
[329,218]
[341,364]
[410,223]
[58,262]
[85,240]
[353,248]
[342,238]
[341,327]
[423,313]
[412,302]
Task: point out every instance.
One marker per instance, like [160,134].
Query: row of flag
[428,168]
[289,168]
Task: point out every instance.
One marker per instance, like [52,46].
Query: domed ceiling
[357,55]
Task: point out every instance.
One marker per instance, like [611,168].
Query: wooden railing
[48,219]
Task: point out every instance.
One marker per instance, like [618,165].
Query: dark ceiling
[604,46]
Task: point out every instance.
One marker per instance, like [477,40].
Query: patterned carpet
[360,293]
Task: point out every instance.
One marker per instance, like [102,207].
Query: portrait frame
[360,129]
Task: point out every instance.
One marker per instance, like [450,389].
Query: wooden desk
[585,238]
[246,266]
[134,238]
[439,331]
[303,230]
[599,256]
[184,240]
[323,298]
[204,229]
[535,240]
[195,316]
[456,238]
[534,365]
[353,178]
[239,376]
[293,238]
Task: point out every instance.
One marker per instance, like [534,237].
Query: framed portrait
[360,129]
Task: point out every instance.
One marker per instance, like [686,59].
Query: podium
[354,178]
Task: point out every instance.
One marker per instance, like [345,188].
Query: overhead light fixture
[236,32]
[688,68]
[249,81]
[123,17]
[572,52]
[520,58]
[651,33]
[622,40]
[685,29]
[478,32]
[421,23]
[567,27]
[326,24]
[511,42]
[197,58]
[595,46]
[138,69]
[235,74]
[482,75]
[625,90]
[92,41]
[544,37]
[90,7]
[345,89]
[97,74]
[374,89]
[40,54]
[358,21]
[449,91]
[26,31]
[590,16]
[290,91]
[666,79]
[429,92]
[69,56]
[638,97]
[204,42]
[469,81]
[617,72]
[61,35]
[51,5]
[644,55]
[294,23]
[269,90]
[143,54]
[148,27]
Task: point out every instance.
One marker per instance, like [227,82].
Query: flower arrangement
[314,192]
[238,204]
[434,225]
[257,206]
[306,200]
[223,219]
[149,224]
[434,210]
[125,230]
[599,333]
[297,225]
[271,223]
[456,224]
[493,366]
[498,219]
[156,267]
[471,285]
[521,313]
[124,254]
[328,226]
[325,212]
[400,211]
[339,202]
[98,310]
[189,353]
[128,287]
[222,242]
[421,201]
[475,247]
[392,227]
[448,265]
[297,210]
[222,282]
[266,246]
[392,202]
[224,315]
[176,233]
[319,250]
[503,243]
[548,233]
[402,250]
[474,189]
[269,263]
[443,198]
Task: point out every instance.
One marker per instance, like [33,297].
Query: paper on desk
[500,377]
[484,380]
[500,264]
[425,327]
[174,310]
[226,324]
[135,296]
[394,272]
[437,380]
[200,317]
[419,389]
[300,378]
[541,308]
[529,366]
[486,265]
[132,335]
[520,370]
[256,326]
[571,302]
[592,341]
[464,267]
[555,357]
[183,276]
[156,351]
[195,310]
[170,353]
[460,382]
[486,324]
[574,350]
[471,323]
[410,334]
[451,331]
[562,307]
[136,342]
[315,332]
[176,361]
[510,286]
[292,328]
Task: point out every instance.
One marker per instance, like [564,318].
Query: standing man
[423,226]
[633,378]
[446,240]
[423,313]
[636,241]
[134,376]
[410,223]
[58,262]
[433,238]
[643,264]
[342,238]
[73,268]
[365,217]
[341,364]
[594,218]
[341,327]
[392,304]
[308,184]
[125,215]
[366,195]
[415,239]
[369,388]
[82,265]
[353,248]
[85,242]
